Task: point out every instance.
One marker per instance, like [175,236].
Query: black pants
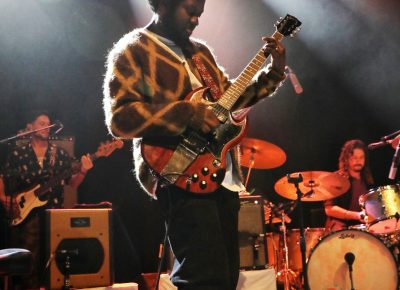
[203,235]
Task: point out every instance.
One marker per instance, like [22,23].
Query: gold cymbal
[316,186]
[261,154]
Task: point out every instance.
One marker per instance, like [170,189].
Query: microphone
[294,80]
[349,258]
[58,124]
[379,144]
[395,163]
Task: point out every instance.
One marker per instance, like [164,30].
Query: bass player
[29,165]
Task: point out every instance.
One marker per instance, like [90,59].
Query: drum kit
[372,248]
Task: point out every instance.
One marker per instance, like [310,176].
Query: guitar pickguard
[197,163]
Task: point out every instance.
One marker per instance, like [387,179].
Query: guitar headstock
[288,25]
[106,148]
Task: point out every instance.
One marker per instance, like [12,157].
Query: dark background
[347,55]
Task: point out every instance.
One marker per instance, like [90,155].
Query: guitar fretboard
[237,88]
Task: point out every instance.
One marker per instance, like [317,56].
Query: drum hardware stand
[250,167]
[287,283]
[296,180]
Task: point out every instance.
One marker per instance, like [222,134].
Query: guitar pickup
[221,113]
[196,144]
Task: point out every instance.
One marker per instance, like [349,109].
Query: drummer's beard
[358,167]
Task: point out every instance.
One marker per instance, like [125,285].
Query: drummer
[344,210]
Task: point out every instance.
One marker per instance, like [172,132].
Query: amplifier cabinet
[79,244]
[251,233]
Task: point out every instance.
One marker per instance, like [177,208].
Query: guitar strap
[208,80]
[215,92]
[53,153]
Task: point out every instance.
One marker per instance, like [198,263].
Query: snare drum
[382,207]
[374,266]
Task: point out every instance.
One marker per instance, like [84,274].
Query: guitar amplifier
[251,233]
[79,243]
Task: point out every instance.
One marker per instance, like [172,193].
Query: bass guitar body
[195,162]
[26,202]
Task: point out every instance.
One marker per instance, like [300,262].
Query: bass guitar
[196,163]
[25,202]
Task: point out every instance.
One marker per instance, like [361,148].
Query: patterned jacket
[144,90]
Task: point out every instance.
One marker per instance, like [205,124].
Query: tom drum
[382,207]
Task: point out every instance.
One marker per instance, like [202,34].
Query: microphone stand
[387,137]
[296,181]
[351,277]
[22,134]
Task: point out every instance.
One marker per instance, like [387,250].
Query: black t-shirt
[349,200]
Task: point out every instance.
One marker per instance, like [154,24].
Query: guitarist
[149,73]
[28,165]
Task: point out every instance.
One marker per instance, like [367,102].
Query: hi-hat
[316,186]
[261,154]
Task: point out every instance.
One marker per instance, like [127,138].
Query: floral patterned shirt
[23,170]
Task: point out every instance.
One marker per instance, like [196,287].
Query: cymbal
[395,142]
[316,186]
[261,154]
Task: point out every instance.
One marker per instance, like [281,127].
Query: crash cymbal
[395,142]
[316,186]
[261,154]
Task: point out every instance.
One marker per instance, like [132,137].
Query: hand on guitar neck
[278,52]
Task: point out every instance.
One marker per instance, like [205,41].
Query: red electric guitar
[196,163]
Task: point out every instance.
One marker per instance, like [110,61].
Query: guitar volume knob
[205,171]
[195,177]
[214,176]
[203,184]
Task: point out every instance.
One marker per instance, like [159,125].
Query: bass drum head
[374,266]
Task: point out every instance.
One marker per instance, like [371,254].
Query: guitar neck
[236,89]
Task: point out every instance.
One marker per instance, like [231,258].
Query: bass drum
[374,266]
